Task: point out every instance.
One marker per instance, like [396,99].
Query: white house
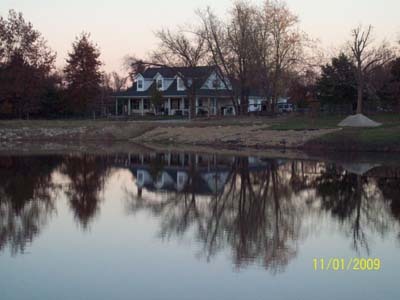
[213,97]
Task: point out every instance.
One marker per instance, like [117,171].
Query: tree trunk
[360,97]
[360,88]
[274,100]
[192,106]
[398,103]
[235,104]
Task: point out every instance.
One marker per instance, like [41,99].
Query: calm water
[185,226]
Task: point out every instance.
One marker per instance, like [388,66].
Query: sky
[122,27]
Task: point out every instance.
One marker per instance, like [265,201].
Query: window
[140,84]
[181,85]
[181,179]
[146,104]
[186,104]
[175,104]
[159,84]
[135,104]
[175,159]
[140,177]
[216,83]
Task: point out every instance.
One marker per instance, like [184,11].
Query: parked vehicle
[285,107]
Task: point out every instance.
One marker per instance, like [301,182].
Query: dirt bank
[255,136]
[242,132]
[67,131]
[239,133]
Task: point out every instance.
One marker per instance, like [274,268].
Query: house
[213,97]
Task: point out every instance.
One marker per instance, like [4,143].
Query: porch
[214,106]
[174,106]
[142,106]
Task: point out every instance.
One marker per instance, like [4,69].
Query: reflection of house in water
[198,174]
[207,174]
[193,173]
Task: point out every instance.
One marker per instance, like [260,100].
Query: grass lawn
[326,122]
[307,123]
[369,139]
[385,137]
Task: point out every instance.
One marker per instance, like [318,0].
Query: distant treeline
[257,47]
[30,86]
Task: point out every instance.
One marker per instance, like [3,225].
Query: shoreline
[40,148]
[231,134]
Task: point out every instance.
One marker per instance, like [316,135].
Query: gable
[212,82]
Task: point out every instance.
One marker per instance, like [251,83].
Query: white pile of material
[359,168]
[358,121]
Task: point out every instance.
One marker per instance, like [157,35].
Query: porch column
[209,107]
[182,159]
[197,105]
[129,107]
[169,106]
[216,106]
[116,106]
[142,106]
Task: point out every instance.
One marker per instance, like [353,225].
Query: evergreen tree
[395,70]
[337,85]
[25,64]
[396,81]
[52,104]
[156,98]
[83,76]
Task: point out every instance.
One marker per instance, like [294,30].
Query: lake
[197,226]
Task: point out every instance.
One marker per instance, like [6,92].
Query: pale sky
[121,27]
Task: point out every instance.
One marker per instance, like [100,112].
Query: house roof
[133,92]
[173,90]
[199,186]
[198,75]
[191,72]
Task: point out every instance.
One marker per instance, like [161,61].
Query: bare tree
[133,66]
[182,49]
[367,57]
[286,44]
[215,36]
[118,82]
[231,45]
[177,51]
[256,47]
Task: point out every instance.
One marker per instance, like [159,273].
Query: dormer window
[140,84]
[181,84]
[216,83]
[160,84]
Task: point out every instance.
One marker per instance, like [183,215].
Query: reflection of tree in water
[254,215]
[265,221]
[27,196]
[390,188]
[356,201]
[338,192]
[87,174]
[259,213]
